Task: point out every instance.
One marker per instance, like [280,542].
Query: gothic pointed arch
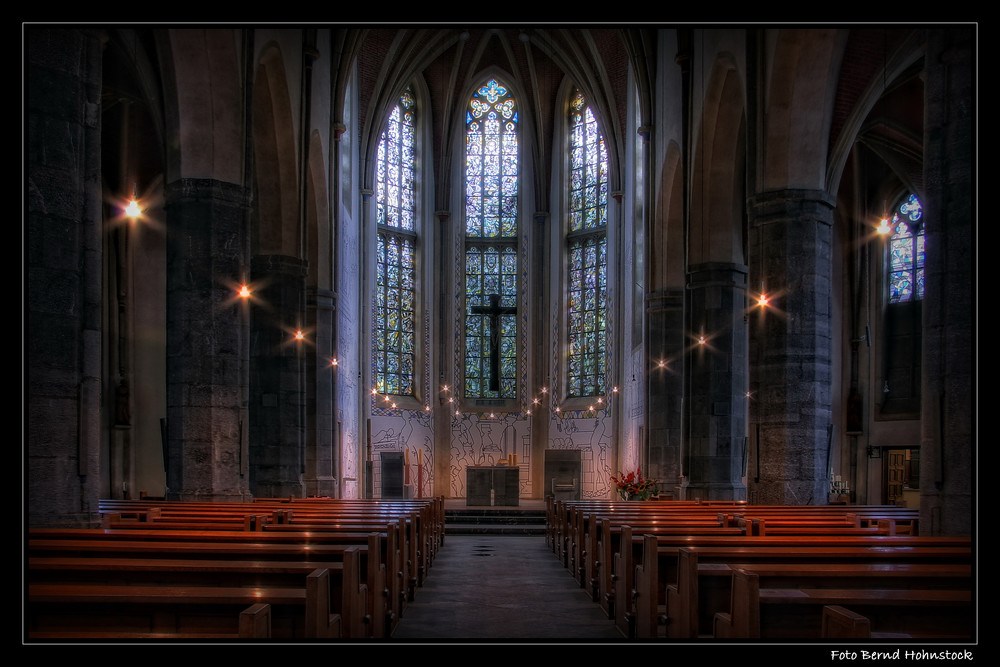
[205,139]
[797,126]
[275,163]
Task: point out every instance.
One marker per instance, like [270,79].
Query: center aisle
[511,587]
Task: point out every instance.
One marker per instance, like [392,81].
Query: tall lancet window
[394,348]
[587,254]
[906,252]
[903,318]
[491,236]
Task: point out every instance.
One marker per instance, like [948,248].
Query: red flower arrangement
[634,487]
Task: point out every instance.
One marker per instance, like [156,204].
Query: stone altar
[492,486]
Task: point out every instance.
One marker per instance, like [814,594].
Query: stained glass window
[491,230]
[587,259]
[394,346]
[906,252]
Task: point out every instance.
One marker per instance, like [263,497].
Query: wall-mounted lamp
[132,209]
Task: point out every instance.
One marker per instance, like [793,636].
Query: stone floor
[492,588]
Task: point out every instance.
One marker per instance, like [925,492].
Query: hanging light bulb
[245,291]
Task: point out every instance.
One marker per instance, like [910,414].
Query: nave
[389,572]
[486,588]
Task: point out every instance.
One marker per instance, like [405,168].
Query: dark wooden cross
[494,311]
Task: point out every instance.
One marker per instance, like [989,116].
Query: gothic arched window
[906,252]
[394,349]
[903,329]
[491,237]
[587,253]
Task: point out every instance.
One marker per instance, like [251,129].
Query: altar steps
[494,521]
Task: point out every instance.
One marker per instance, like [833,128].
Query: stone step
[494,521]
[492,529]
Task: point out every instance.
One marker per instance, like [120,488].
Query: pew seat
[84,607]
[797,613]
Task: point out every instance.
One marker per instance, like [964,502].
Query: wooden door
[895,475]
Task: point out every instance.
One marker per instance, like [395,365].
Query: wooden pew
[420,538]
[668,586]
[129,610]
[593,534]
[842,623]
[397,584]
[235,545]
[254,624]
[348,593]
[572,521]
[796,613]
[703,588]
[562,517]
[614,563]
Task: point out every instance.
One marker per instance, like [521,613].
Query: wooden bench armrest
[255,621]
[842,623]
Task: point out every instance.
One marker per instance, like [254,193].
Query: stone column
[320,471]
[63,301]
[206,340]
[277,377]
[716,381]
[665,386]
[947,446]
[791,347]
